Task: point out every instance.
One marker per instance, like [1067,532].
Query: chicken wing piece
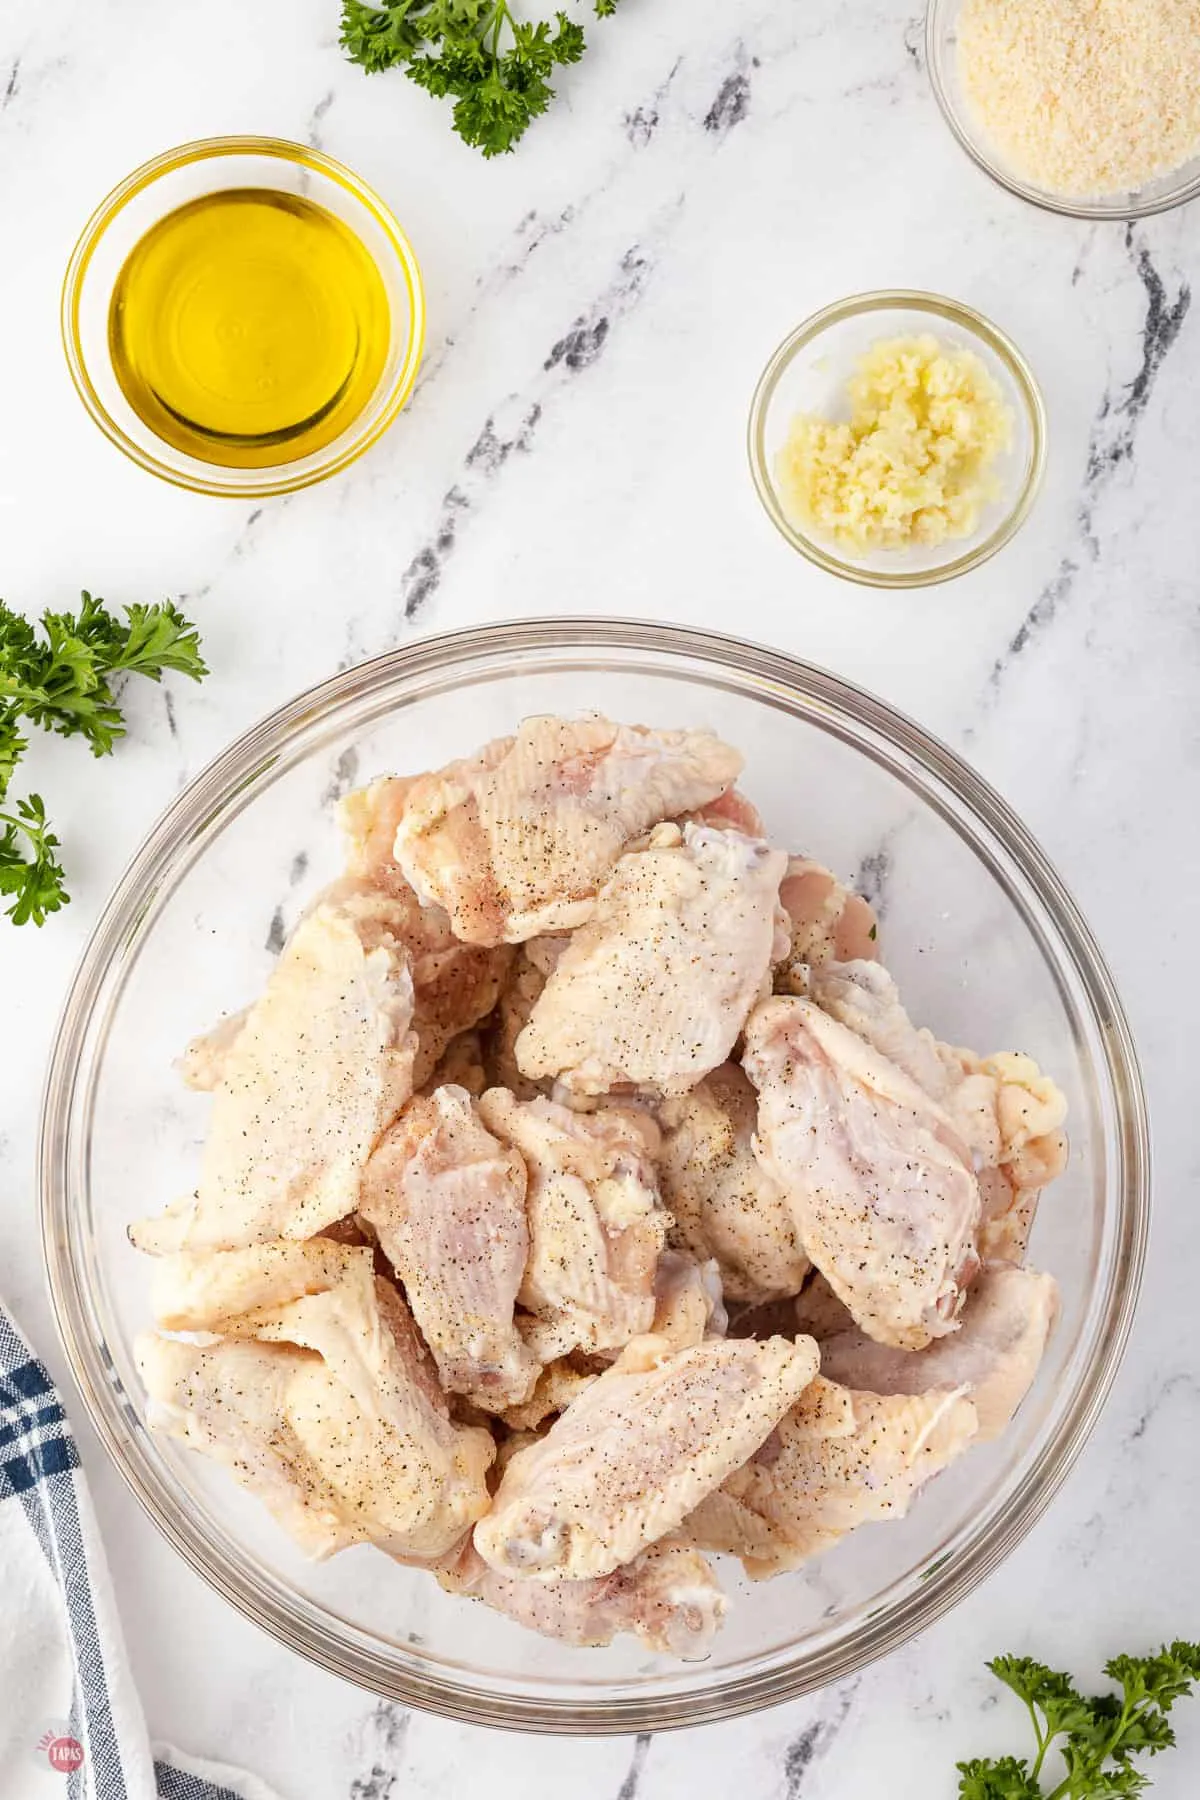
[455,985]
[322,1065]
[596,1226]
[324,1404]
[369,818]
[636,1452]
[516,841]
[231,1402]
[993,1356]
[518,998]
[724,1202]
[828,922]
[1007,1112]
[839,1459]
[668,1597]
[447,1202]
[218,1291]
[883,1195]
[689,1303]
[461,1065]
[862,996]
[559,1383]
[203,1061]
[654,990]
[732,812]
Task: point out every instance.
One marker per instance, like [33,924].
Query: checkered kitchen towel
[70,1724]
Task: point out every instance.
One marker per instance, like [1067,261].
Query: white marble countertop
[711,174]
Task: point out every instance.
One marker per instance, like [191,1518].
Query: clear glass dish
[941,55]
[209,166]
[988,947]
[809,372]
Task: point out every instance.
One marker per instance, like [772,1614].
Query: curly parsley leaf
[494,66]
[61,680]
[30,872]
[1095,1736]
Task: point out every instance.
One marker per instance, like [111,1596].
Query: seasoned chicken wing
[447,1202]
[668,1597]
[343,1432]
[595,1223]
[862,996]
[1006,1111]
[518,998]
[655,989]
[993,1356]
[517,840]
[838,1459]
[881,1187]
[828,922]
[636,1452]
[725,1203]
[689,1303]
[322,1065]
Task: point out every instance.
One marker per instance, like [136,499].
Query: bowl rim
[937,14]
[953,312]
[758,667]
[251,484]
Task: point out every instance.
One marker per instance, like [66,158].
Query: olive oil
[249,328]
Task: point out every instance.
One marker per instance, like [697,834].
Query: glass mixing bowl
[988,948]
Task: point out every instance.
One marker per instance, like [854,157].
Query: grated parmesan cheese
[912,466]
[1085,97]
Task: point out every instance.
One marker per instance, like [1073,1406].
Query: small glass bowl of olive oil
[243,316]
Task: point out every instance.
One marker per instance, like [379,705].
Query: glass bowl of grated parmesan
[897,439]
[1092,111]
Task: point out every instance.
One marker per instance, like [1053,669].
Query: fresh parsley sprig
[494,66]
[1094,1736]
[61,680]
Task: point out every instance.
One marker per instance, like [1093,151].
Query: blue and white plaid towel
[70,1723]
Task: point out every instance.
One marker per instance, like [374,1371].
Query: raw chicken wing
[322,1065]
[347,1420]
[724,1202]
[668,1597]
[516,841]
[828,922]
[838,1459]
[636,1452]
[882,1192]
[993,1356]
[688,1300]
[655,989]
[447,1202]
[596,1227]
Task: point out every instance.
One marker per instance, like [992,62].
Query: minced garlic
[913,464]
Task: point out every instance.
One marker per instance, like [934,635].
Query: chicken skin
[447,1202]
[596,1227]
[322,1065]
[323,1404]
[826,923]
[1005,1110]
[724,1202]
[668,1597]
[883,1195]
[516,841]
[993,1356]
[838,1460]
[637,1452]
[653,991]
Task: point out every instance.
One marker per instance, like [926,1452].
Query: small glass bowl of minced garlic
[897,439]
[243,316]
